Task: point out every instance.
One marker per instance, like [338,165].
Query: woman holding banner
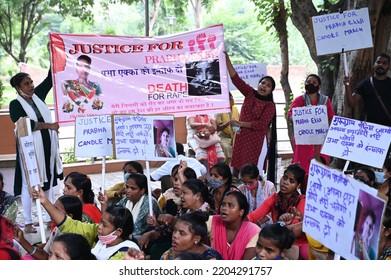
[303,154]
[257,119]
[30,102]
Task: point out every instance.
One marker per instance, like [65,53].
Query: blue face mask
[379,177]
[126,176]
[214,184]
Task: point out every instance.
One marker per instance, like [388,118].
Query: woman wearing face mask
[112,233]
[30,102]
[219,182]
[256,189]
[303,154]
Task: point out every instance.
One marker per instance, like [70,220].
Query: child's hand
[134,254]
[151,220]
[103,197]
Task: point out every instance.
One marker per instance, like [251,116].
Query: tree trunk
[155,13]
[197,9]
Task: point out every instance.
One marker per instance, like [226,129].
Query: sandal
[30,229]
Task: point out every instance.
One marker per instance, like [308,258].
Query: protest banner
[336,213]
[339,32]
[139,137]
[310,124]
[93,136]
[357,141]
[107,74]
[250,73]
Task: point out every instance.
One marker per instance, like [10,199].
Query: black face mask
[310,88]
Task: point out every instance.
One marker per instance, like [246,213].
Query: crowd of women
[205,218]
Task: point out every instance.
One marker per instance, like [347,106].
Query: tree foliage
[21,20]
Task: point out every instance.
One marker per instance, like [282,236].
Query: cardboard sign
[93,136]
[138,137]
[250,73]
[357,141]
[310,124]
[340,212]
[350,30]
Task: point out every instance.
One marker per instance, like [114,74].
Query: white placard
[137,136]
[30,159]
[93,136]
[350,30]
[310,124]
[335,211]
[357,141]
[250,73]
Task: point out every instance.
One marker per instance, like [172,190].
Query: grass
[9,95]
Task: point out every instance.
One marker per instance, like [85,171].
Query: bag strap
[380,100]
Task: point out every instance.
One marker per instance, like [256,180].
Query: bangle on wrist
[346,84]
[33,251]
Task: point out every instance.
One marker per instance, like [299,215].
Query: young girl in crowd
[283,202]
[137,201]
[190,234]
[273,242]
[70,246]
[256,190]
[69,205]
[230,235]
[79,185]
[219,183]
[117,192]
[112,232]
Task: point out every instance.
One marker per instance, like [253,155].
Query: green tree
[21,20]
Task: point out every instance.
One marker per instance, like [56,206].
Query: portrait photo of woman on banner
[164,138]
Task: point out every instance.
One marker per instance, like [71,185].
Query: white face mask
[107,239]
[379,177]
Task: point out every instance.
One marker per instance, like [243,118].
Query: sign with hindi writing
[107,74]
[250,73]
[357,141]
[93,136]
[342,213]
[138,137]
[310,124]
[349,30]
[30,160]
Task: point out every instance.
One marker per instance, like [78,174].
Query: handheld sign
[336,211]
[357,141]
[350,30]
[138,137]
[30,165]
[93,136]
[310,124]
[250,73]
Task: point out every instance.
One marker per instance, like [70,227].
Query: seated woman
[117,192]
[69,205]
[163,148]
[219,183]
[203,127]
[256,189]
[112,232]
[137,201]
[71,246]
[230,235]
[285,201]
[8,204]
[78,184]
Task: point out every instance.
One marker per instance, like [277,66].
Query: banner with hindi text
[180,74]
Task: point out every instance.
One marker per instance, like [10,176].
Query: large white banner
[357,141]
[180,74]
[349,30]
[342,213]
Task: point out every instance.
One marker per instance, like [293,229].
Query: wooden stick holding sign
[30,164]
